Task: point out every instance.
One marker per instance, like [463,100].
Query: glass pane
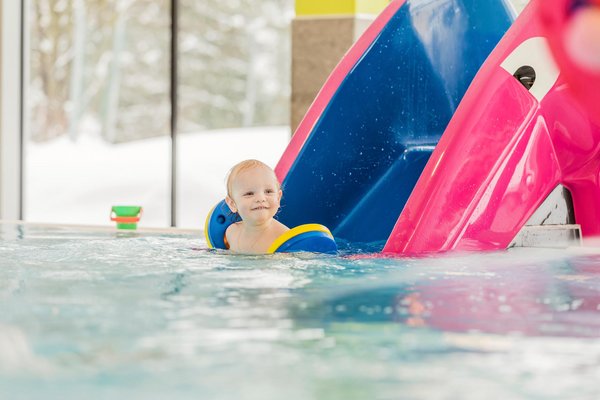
[99,109]
[234,94]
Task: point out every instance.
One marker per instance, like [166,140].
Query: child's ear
[280,194]
[231,203]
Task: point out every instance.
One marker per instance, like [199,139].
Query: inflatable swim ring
[313,238]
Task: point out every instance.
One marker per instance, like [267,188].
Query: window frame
[11,108]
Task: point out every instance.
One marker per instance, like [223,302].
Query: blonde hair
[245,166]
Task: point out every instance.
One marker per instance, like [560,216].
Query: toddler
[253,192]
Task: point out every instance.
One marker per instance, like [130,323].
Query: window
[99,106]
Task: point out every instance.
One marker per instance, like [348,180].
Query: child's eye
[248,193]
[269,191]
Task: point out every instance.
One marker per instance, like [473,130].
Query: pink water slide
[529,121]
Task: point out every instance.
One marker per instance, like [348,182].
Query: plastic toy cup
[126,217]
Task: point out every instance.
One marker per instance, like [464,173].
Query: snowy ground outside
[78,182]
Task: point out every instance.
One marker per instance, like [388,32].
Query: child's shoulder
[233,227]
[278,229]
[231,231]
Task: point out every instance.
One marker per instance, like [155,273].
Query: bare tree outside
[235,63]
[102,66]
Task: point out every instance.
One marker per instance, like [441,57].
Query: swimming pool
[96,314]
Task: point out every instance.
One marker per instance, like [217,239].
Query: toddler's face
[255,194]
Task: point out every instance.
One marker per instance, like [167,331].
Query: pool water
[97,314]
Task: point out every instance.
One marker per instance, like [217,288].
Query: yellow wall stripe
[371,6]
[340,7]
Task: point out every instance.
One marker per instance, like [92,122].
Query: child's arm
[230,233]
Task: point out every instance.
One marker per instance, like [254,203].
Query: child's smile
[255,194]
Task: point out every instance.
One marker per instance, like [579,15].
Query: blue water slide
[363,156]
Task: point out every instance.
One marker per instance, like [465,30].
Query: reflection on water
[540,297]
[88,314]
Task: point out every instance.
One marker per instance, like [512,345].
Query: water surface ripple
[96,315]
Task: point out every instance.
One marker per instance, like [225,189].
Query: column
[322,32]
